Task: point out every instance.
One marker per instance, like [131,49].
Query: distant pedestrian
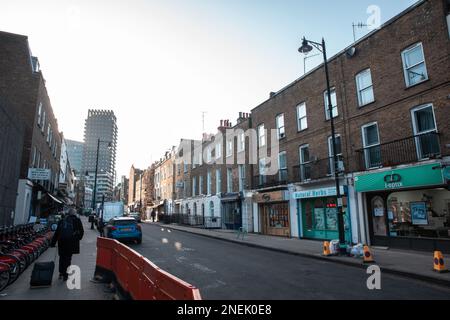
[153,214]
[68,235]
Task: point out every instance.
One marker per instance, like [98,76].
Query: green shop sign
[411,177]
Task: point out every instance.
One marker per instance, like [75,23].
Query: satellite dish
[351,52]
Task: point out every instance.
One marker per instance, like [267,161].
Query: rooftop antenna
[359,25]
[203,120]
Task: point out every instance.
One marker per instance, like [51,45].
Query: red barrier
[138,276]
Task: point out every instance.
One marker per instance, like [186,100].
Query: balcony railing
[317,169]
[193,220]
[266,181]
[411,149]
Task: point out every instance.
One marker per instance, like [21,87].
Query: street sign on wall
[38,174]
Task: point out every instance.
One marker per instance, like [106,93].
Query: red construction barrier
[139,277]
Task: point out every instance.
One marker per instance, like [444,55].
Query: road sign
[38,174]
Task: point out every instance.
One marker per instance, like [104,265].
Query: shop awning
[55,199]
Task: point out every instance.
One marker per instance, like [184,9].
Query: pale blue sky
[158,64]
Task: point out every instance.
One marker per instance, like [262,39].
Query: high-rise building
[100,134]
[75,153]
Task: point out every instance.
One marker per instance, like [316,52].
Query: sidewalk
[413,264]
[20,289]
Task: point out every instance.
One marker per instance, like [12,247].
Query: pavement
[413,264]
[20,289]
[223,270]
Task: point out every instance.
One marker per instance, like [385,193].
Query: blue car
[124,229]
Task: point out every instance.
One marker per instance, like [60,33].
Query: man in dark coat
[68,235]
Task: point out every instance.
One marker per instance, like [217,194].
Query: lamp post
[94,193]
[307,46]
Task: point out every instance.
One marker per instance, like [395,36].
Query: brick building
[132,181]
[23,91]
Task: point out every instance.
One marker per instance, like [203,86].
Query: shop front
[408,207]
[319,213]
[231,211]
[273,210]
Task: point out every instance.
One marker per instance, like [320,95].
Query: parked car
[124,229]
[135,215]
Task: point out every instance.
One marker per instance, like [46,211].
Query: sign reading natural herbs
[410,177]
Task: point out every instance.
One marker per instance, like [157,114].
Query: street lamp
[307,46]
[94,193]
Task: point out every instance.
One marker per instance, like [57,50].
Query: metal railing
[266,181]
[401,151]
[207,222]
[317,169]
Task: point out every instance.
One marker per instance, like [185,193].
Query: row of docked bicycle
[19,247]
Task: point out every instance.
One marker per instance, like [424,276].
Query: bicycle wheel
[4,276]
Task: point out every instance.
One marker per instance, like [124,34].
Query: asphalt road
[224,270]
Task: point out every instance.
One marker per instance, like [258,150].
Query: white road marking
[202,268]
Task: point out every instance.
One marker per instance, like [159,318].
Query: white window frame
[261,135]
[364,140]
[39,114]
[413,118]
[369,87]
[325,97]
[200,185]
[208,183]
[330,154]
[279,164]
[405,69]
[303,161]
[299,119]
[241,142]
[229,180]
[218,181]
[194,186]
[279,128]
[241,172]
[43,122]
[229,148]
[218,150]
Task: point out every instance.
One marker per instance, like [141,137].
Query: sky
[159,64]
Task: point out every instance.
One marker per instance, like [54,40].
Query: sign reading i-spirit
[393,181]
[38,174]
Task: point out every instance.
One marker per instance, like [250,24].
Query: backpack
[68,230]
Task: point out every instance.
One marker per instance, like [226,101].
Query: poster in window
[331,214]
[319,219]
[419,214]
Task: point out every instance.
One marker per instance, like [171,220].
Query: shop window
[378,216]
[319,212]
[309,216]
[419,213]
[331,214]
[278,216]
[424,125]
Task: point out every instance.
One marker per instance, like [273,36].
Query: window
[364,87]
[43,122]
[200,185]
[208,182]
[340,163]
[208,154]
[414,66]
[218,150]
[371,144]
[39,114]
[261,135]
[185,165]
[424,125]
[305,165]
[241,177]
[218,181]
[229,180]
[280,126]
[282,165]
[334,107]
[194,186]
[33,164]
[229,148]
[211,209]
[195,208]
[262,171]
[302,122]
[241,143]
[48,133]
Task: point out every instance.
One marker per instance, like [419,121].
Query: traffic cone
[326,248]
[439,265]
[368,258]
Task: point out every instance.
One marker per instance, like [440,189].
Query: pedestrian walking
[153,214]
[68,235]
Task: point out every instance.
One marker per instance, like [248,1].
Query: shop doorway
[275,219]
